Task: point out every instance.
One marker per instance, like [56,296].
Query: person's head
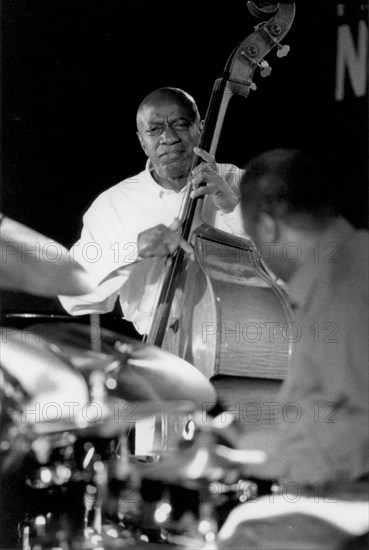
[285,197]
[168,128]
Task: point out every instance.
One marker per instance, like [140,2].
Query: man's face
[168,134]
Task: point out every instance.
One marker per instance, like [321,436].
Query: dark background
[74,72]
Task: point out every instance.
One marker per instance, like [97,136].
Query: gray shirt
[322,433]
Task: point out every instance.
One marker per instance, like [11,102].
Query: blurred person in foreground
[322,435]
[316,457]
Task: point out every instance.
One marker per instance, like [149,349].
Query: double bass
[223,311]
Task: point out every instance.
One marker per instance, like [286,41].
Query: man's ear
[201,127]
[268,228]
[141,142]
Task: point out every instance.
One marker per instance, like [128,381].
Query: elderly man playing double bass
[131,228]
[135,221]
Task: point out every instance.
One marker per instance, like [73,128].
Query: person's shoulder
[128,183]
[131,182]
[361,238]
[118,190]
[349,267]
[359,258]
[355,248]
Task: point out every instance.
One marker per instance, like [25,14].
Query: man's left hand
[207,180]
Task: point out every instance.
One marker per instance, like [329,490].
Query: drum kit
[71,394]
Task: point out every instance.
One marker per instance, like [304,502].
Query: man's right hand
[160,241]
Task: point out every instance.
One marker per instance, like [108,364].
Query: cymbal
[46,383]
[44,394]
[68,387]
[33,263]
[134,371]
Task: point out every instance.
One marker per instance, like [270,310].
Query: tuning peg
[283,50]
[273,31]
[251,85]
[265,68]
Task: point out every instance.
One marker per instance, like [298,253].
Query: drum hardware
[189,494]
[88,490]
[195,490]
[190,517]
[81,487]
[69,496]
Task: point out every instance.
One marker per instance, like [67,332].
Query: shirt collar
[312,261]
[158,189]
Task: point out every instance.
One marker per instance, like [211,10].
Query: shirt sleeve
[231,222]
[104,250]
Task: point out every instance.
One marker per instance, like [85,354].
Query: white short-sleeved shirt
[108,243]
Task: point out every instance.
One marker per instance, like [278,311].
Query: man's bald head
[163,96]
